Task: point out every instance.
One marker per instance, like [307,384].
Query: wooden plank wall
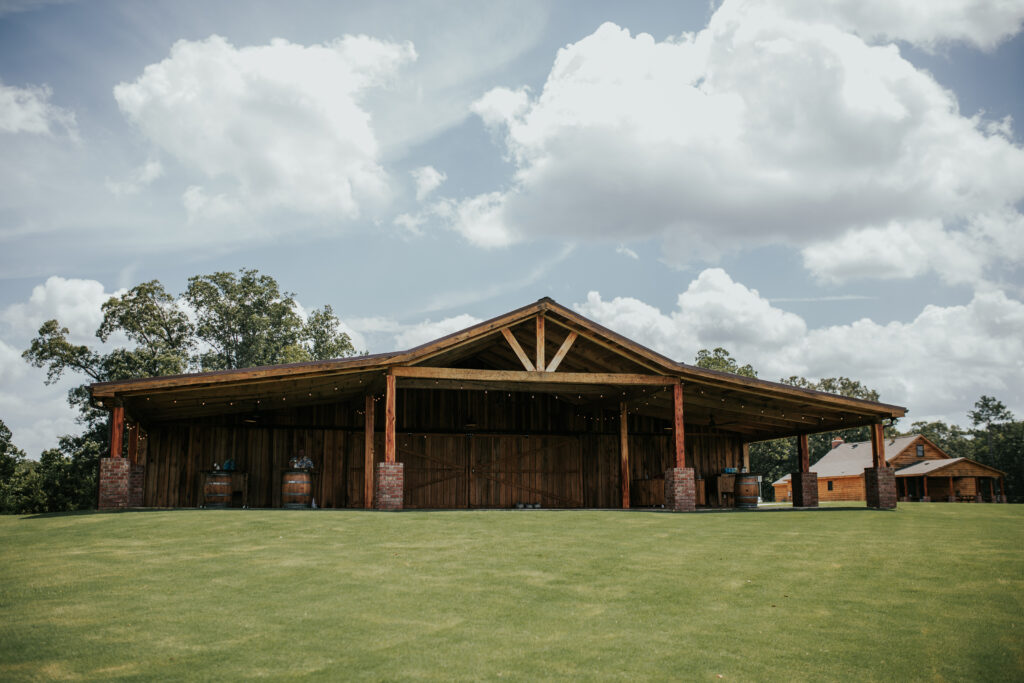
[843,488]
[909,455]
[460,449]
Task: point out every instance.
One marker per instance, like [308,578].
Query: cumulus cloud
[428,330]
[427,179]
[936,364]
[764,128]
[29,110]
[76,303]
[138,179]
[270,126]
[983,24]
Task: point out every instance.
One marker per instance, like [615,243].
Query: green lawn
[927,592]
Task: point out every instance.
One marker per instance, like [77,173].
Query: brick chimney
[837,442]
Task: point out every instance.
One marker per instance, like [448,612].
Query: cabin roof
[850,459]
[757,408]
[932,466]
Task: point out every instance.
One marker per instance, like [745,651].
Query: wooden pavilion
[536,406]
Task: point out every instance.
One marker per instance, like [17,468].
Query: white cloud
[937,364]
[761,129]
[139,178]
[76,304]
[29,110]
[981,23]
[411,223]
[421,333]
[271,126]
[427,180]
[626,251]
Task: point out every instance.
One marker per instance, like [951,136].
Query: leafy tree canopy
[10,455]
[989,411]
[721,359]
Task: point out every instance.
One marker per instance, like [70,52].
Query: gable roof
[929,467]
[758,408]
[850,459]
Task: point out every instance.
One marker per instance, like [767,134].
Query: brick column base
[805,489]
[680,490]
[389,486]
[880,486]
[926,499]
[114,484]
[136,486]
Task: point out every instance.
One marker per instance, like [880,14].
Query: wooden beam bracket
[520,354]
[562,350]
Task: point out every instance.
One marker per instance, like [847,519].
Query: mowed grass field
[926,592]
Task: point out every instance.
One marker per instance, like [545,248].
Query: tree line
[995,437]
[221,321]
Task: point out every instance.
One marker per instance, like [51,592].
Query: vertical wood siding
[461,449]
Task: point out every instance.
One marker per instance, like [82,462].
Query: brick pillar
[136,486]
[114,484]
[805,489]
[880,486]
[680,490]
[390,486]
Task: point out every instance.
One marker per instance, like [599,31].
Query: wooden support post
[540,343]
[905,493]
[878,445]
[805,453]
[925,480]
[368,422]
[952,491]
[389,419]
[678,428]
[116,431]
[624,454]
[1002,491]
[133,443]
[746,457]
[991,489]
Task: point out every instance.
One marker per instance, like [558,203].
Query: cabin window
[920,451]
[830,485]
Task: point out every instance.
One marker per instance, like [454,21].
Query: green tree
[242,320]
[999,442]
[20,488]
[721,359]
[10,455]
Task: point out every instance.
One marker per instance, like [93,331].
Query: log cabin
[536,407]
[923,471]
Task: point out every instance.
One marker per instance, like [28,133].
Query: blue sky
[824,188]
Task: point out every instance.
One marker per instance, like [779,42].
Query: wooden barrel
[746,490]
[217,489]
[296,489]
